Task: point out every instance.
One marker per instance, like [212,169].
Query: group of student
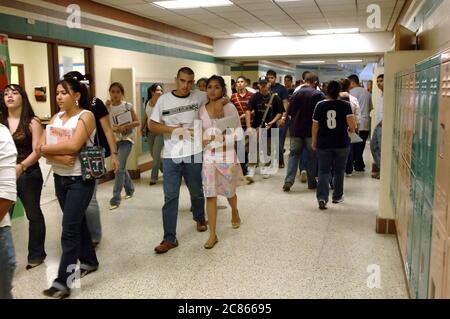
[317,122]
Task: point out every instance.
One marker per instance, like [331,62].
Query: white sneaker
[251,171]
[303,176]
[266,176]
[264,172]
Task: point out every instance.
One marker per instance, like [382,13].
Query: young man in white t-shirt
[8,193]
[174,115]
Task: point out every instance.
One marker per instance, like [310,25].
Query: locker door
[437,262]
[447,270]
[431,131]
[415,163]
[416,243]
[425,250]
[443,149]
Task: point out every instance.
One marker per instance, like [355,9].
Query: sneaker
[165,246]
[348,175]
[112,207]
[303,176]
[249,179]
[266,176]
[152,182]
[84,272]
[251,171]
[339,200]
[32,265]
[128,196]
[322,204]
[287,187]
[56,293]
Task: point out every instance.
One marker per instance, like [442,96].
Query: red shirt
[240,102]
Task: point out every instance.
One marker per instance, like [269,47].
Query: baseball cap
[263,80]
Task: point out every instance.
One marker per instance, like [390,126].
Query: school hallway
[285,248]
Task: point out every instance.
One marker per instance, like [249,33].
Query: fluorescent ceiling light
[287,0]
[333,31]
[350,61]
[188,4]
[257,34]
[312,62]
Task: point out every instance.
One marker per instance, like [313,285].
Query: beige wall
[435,33]
[33,56]
[393,63]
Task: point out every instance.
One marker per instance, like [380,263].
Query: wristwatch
[24,168]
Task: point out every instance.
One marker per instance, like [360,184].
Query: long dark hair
[221,82]
[150,91]
[77,87]
[27,113]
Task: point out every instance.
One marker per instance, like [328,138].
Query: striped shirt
[240,102]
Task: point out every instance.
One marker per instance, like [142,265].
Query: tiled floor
[285,248]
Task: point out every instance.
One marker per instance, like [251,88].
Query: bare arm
[106,125]
[5,205]
[351,123]
[36,132]
[314,132]
[159,128]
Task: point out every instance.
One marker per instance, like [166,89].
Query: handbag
[92,159]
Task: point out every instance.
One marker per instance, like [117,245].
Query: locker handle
[441,137]
[430,131]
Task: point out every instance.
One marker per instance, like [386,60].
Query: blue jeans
[155,145]
[74,196]
[192,174]
[298,147]
[375,146]
[123,178]
[304,160]
[93,217]
[331,159]
[282,138]
[29,189]
[7,262]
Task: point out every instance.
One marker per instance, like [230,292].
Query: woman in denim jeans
[67,133]
[332,120]
[26,130]
[155,141]
[124,138]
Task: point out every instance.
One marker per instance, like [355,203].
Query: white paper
[354,138]
[122,118]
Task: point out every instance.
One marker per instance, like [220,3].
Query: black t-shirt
[301,109]
[258,102]
[99,109]
[332,118]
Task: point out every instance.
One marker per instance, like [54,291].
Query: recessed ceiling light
[333,31]
[350,61]
[312,62]
[188,4]
[257,34]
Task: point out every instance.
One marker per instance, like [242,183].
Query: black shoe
[322,204]
[339,200]
[84,272]
[281,165]
[95,244]
[33,265]
[287,187]
[56,293]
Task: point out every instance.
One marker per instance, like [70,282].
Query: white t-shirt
[71,124]
[172,110]
[8,157]
[380,110]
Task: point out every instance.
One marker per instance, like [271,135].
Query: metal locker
[437,261]
[442,182]
[447,270]
[414,251]
[425,250]
[431,130]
